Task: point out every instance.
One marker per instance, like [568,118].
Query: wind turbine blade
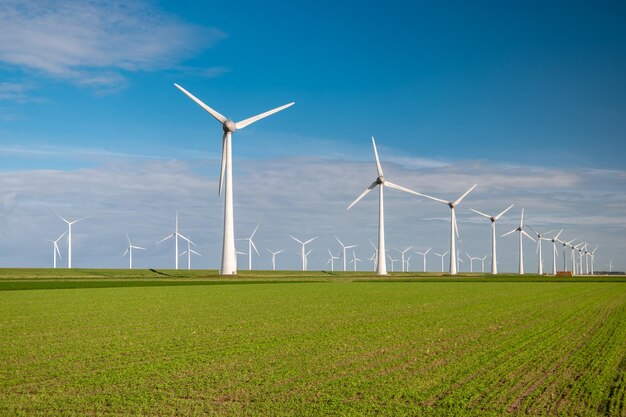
[351,246]
[125,252]
[521,219]
[165,238]
[433,198]
[528,236]
[310,240]
[139,247]
[212,112]
[280,251]
[458,200]
[223,164]
[481,213]
[504,211]
[363,194]
[558,234]
[456,227]
[249,121]
[193,251]
[127,238]
[296,239]
[341,243]
[255,229]
[530,227]
[60,237]
[446,252]
[508,233]
[426,253]
[254,247]
[378,167]
[63,219]
[56,248]
[399,187]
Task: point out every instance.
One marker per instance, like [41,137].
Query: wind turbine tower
[493,219]
[229,257]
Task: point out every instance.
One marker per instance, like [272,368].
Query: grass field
[287,343]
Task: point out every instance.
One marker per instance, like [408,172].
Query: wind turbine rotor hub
[451,205]
[380,180]
[229,126]
[493,219]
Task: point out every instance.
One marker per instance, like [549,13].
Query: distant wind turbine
[69,238]
[55,249]
[554,250]
[454,230]
[442,255]
[189,251]
[539,253]
[251,246]
[274,257]
[229,257]
[522,233]
[402,252]
[493,219]
[343,252]
[303,252]
[176,234]
[129,251]
[424,255]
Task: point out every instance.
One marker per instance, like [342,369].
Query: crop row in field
[397,348]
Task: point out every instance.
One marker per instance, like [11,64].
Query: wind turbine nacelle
[229,126]
[380,180]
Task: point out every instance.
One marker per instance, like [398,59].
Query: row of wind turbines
[229,252]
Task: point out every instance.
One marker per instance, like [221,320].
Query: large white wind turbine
[55,249]
[303,252]
[442,255]
[454,230]
[343,251]
[274,257]
[381,264]
[522,233]
[69,238]
[189,251]
[424,255]
[251,246]
[539,252]
[129,251]
[493,219]
[229,258]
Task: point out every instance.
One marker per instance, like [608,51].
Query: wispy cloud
[94,43]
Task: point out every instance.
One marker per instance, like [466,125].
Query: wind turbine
[343,253]
[129,251]
[454,230]
[482,261]
[565,245]
[593,257]
[381,264]
[408,263]
[354,260]
[303,253]
[306,259]
[522,233]
[251,246]
[55,249]
[539,253]
[393,262]
[574,249]
[471,260]
[175,235]
[331,260]
[274,257]
[424,255]
[580,258]
[229,257]
[554,251]
[441,255]
[189,251]
[402,252]
[493,219]
[610,265]
[69,238]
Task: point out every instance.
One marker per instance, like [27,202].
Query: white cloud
[93,43]
[300,196]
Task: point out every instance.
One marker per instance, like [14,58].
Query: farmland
[192,343]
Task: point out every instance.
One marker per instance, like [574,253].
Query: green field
[88,342]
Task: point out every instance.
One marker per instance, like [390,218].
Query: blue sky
[454,92]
